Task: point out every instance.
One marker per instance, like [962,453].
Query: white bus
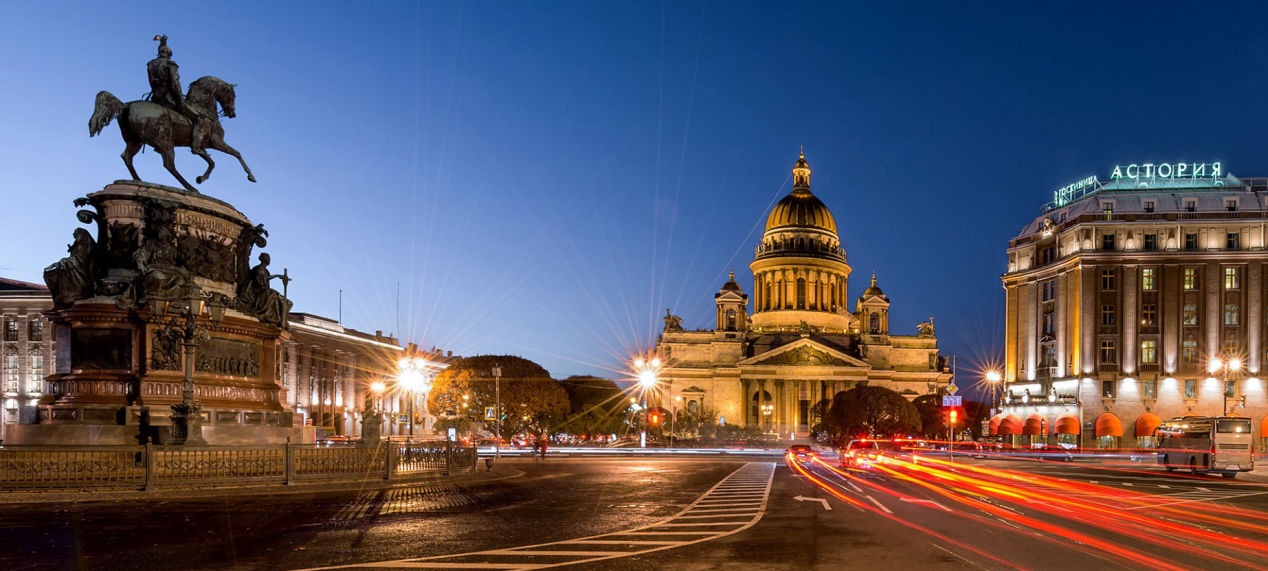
[1204,444]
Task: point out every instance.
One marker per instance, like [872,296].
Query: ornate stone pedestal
[167,277]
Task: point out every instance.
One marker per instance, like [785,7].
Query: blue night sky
[546,178]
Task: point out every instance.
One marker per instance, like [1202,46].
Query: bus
[1206,444]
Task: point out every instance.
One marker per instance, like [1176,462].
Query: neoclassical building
[27,350]
[1121,294]
[803,342]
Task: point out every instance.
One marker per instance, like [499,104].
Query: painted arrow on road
[805,499]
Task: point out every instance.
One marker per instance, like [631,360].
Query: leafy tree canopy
[531,400]
[871,411]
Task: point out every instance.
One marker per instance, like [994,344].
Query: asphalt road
[690,514]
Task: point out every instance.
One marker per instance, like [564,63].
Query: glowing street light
[412,378]
[647,371]
[1227,365]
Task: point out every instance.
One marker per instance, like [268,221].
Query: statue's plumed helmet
[163,50]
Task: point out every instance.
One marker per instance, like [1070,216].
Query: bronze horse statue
[147,123]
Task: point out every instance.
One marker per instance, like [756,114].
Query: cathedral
[802,343]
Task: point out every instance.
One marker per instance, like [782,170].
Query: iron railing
[154,466]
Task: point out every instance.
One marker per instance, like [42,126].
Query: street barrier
[174,467]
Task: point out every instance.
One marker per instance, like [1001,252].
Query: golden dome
[801,208]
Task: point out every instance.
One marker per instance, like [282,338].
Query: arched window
[874,324]
[801,293]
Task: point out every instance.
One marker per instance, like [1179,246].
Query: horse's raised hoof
[199,179]
[251,177]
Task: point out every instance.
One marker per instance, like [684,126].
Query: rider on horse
[165,90]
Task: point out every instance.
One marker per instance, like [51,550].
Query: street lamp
[186,416]
[647,371]
[1227,365]
[497,409]
[412,378]
[767,410]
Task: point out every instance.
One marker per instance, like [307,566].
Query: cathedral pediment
[805,352]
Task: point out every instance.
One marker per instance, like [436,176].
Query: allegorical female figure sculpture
[257,298]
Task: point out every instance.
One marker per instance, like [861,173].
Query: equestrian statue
[167,119]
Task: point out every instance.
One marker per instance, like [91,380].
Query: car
[864,453]
[802,451]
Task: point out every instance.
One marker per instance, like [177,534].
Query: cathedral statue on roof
[803,341]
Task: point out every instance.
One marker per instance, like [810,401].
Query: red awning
[1147,423]
[1067,424]
[1034,425]
[1010,425]
[1108,424]
[993,426]
[1263,427]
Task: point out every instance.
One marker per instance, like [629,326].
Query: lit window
[1150,389]
[1149,351]
[1232,278]
[1190,388]
[1190,279]
[1148,279]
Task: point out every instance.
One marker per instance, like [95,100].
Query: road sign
[951,388]
[490,413]
[952,400]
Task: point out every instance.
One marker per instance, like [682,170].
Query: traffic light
[953,415]
[655,417]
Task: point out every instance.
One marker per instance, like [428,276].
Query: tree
[531,401]
[597,406]
[932,416]
[870,411]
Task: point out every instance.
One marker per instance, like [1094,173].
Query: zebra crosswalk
[731,506]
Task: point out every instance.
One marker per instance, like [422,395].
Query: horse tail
[108,107]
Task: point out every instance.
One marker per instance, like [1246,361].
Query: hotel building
[1135,300]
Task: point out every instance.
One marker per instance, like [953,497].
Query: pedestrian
[537,447]
[543,444]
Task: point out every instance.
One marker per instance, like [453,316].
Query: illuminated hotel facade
[1122,295]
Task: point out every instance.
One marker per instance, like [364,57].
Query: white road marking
[878,504]
[739,500]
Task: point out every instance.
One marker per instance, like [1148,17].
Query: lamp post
[412,378]
[647,371]
[767,410]
[1227,365]
[672,433]
[497,409]
[186,416]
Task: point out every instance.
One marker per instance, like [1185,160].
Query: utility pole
[497,409]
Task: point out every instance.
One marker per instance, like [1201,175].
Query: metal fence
[153,466]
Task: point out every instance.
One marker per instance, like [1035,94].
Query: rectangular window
[1230,389]
[1107,315]
[1232,278]
[1151,241]
[1149,389]
[10,329]
[1149,315]
[1108,353]
[1107,280]
[1190,204]
[35,330]
[1191,241]
[1049,290]
[1190,279]
[1190,388]
[1232,314]
[1049,321]
[1107,242]
[1189,352]
[1232,241]
[1190,314]
[1107,208]
[1149,351]
[1148,279]
[1149,205]
[1107,389]
[1230,204]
